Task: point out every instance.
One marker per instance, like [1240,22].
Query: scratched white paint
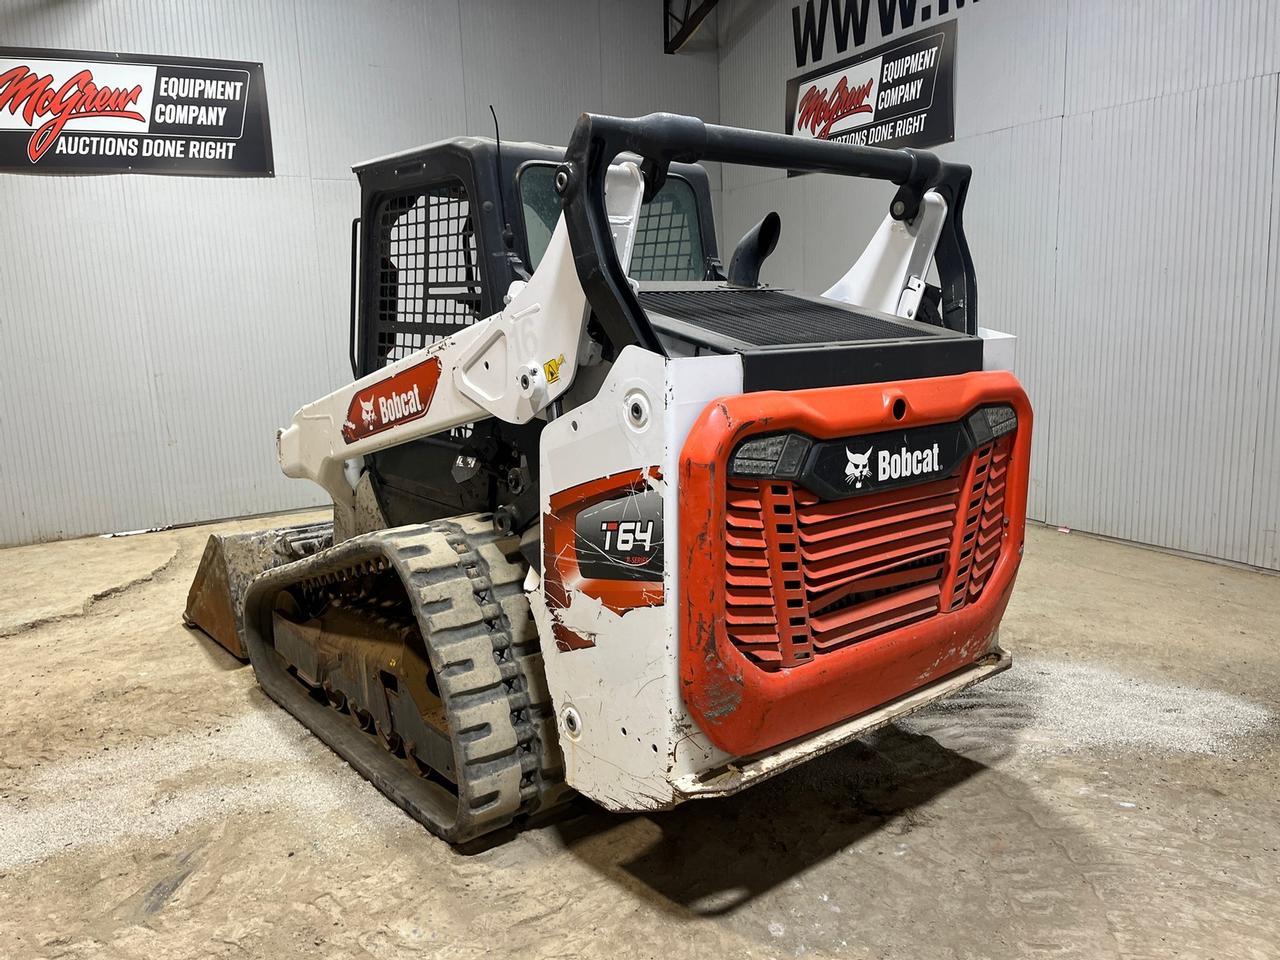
[636,736]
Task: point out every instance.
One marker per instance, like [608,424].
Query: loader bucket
[215,603]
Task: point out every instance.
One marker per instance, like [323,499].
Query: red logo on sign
[77,99]
[391,402]
[819,111]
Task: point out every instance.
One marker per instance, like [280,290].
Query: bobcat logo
[366,412]
[858,468]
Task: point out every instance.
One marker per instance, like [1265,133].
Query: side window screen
[668,239]
[428,280]
[668,245]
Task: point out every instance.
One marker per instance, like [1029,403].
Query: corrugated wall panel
[333,205]
[156,331]
[378,79]
[557,76]
[79,411]
[1125,52]
[756,57]
[745,205]
[1264,504]
[270,339]
[636,77]
[841,214]
[1010,64]
[1161,299]
[1011,220]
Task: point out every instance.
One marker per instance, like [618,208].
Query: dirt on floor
[1116,794]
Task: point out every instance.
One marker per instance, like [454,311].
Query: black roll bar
[661,139]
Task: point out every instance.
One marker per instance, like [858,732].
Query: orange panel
[799,613]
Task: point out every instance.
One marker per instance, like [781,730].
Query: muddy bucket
[215,603]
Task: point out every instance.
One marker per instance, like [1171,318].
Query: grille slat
[934,511]
[885,581]
[920,534]
[891,606]
[748,541]
[740,578]
[750,615]
[921,604]
[898,499]
[747,559]
[850,559]
[859,567]
[985,522]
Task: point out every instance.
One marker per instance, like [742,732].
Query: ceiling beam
[677,28]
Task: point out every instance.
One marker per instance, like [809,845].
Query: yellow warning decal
[552,368]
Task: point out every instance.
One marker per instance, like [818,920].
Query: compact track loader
[608,518]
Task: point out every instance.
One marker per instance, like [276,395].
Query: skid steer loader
[608,518]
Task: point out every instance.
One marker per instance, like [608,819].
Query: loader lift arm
[493,368]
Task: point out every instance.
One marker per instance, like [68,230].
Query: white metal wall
[1123,216]
[154,331]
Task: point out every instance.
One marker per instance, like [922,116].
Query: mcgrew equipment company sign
[72,111]
[897,95]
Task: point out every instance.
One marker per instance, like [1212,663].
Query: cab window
[668,240]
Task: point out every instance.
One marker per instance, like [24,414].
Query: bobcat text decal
[891,466]
[389,403]
[908,463]
[77,99]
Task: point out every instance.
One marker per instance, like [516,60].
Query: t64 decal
[603,539]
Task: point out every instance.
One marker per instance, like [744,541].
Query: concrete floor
[1117,794]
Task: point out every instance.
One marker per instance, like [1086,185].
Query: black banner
[72,111]
[900,94]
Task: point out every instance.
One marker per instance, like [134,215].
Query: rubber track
[465,586]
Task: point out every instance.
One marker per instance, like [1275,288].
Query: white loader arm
[509,366]
[890,275]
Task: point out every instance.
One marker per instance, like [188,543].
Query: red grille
[978,545]
[804,577]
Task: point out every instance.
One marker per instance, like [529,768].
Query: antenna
[508,238]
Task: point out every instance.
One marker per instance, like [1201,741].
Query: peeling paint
[721,697]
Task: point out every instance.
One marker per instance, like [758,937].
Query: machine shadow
[216,656]
[713,857]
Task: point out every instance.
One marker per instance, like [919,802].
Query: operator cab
[444,230]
